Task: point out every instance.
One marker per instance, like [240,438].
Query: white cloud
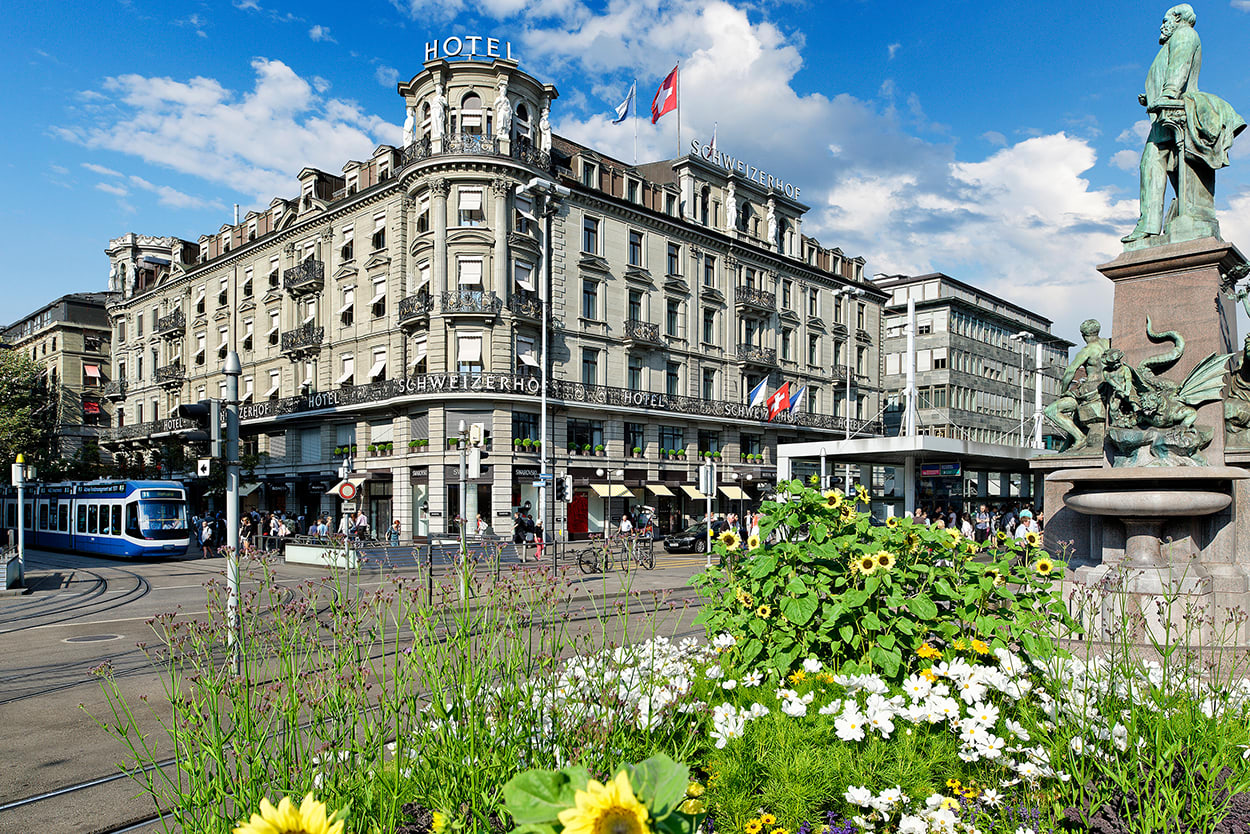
[172,197]
[994,138]
[386,76]
[321,33]
[893,49]
[1136,134]
[1243,5]
[1126,159]
[194,22]
[255,142]
[110,188]
[100,169]
[320,84]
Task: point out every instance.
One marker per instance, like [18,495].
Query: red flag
[665,97]
[779,401]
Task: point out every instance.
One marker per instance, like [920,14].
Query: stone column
[499,189]
[438,210]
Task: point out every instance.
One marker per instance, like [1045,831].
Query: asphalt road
[59,768]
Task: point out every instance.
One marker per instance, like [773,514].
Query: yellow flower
[865,564]
[694,789]
[768,819]
[439,823]
[730,539]
[973,547]
[780,831]
[928,675]
[950,803]
[1032,539]
[1043,566]
[961,645]
[891,522]
[885,559]
[309,817]
[928,652]
[1002,537]
[764,611]
[753,826]
[606,809]
[753,542]
[956,537]
[953,784]
[798,677]
[692,806]
[833,499]
[980,647]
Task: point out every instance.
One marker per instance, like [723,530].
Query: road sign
[347,491]
[537,484]
[547,476]
[203,466]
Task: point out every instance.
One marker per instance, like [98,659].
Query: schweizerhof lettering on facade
[741,167]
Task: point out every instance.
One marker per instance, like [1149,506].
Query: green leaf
[799,610]
[796,586]
[538,796]
[660,783]
[846,633]
[888,661]
[922,607]
[762,566]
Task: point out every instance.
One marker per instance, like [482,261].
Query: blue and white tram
[121,519]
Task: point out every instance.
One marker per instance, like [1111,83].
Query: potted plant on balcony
[452,441]
[715,455]
[599,450]
[338,450]
[637,451]
[516,444]
[528,444]
[681,454]
[390,446]
[353,447]
[373,448]
[573,448]
[414,444]
[586,449]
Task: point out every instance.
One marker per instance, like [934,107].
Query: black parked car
[692,539]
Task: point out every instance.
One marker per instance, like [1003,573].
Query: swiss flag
[779,401]
[665,97]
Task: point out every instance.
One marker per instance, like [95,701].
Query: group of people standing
[256,527]
[984,522]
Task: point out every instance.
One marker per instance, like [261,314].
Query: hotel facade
[384,307]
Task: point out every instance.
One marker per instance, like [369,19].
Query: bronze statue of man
[1083,404]
[1189,130]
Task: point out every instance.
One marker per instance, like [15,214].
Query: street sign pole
[19,480]
[232,370]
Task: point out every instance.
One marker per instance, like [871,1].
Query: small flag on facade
[622,109]
[759,393]
[665,97]
[797,398]
[779,401]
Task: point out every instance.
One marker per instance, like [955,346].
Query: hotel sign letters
[734,165]
[468,46]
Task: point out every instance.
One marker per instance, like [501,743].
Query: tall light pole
[232,370]
[1022,337]
[550,193]
[849,292]
[607,505]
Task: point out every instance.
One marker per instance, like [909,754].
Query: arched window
[471,113]
[521,123]
[425,119]
[704,200]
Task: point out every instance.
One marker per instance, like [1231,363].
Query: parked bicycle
[601,555]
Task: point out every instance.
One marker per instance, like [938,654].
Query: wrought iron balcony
[531,156]
[472,144]
[642,333]
[526,304]
[757,355]
[416,152]
[305,338]
[172,325]
[475,144]
[115,390]
[753,297]
[415,307]
[307,277]
[475,302]
[168,376]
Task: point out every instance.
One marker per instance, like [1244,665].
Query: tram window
[63,518]
[43,515]
[82,518]
[117,520]
[132,520]
[93,519]
[28,520]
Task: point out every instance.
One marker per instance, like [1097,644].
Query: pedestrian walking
[392,535]
[206,538]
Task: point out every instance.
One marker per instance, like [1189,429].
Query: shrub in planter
[715,455]
[599,449]
[425,441]
[390,446]
[373,448]
[572,447]
[681,453]
[586,449]
[516,443]
[637,451]
[414,444]
[338,450]
[527,443]
[452,441]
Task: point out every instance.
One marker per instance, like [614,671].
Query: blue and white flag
[797,398]
[759,394]
[622,110]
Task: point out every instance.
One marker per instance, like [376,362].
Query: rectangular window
[786,287]
[672,317]
[861,315]
[635,305]
[813,303]
[524,210]
[750,443]
[634,376]
[672,379]
[378,303]
[634,434]
[590,366]
[590,299]
[223,343]
[273,273]
[709,327]
[275,384]
[670,205]
[635,248]
[813,351]
[786,335]
[632,190]
[247,282]
[470,207]
[523,274]
[470,273]
[584,434]
[674,259]
[709,385]
[709,271]
[590,174]
[347,311]
[200,350]
[347,370]
[861,361]
[348,250]
[248,333]
[377,371]
[526,355]
[672,438]
[709,441]
[469,353]
[524,426]
[590,235]
[274,324]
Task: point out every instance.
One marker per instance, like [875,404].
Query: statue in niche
[438,112]
[731,207]
[1190,135]
[772,222]
[544,130]
[410,126]
[503,111]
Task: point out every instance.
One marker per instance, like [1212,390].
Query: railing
[115,390]
[755,297]
[175,324]
[302,338]
[171,374]
[531,156]
[415,307]
[308,276]
[757,355]
[525,305]
[470,301]
[474,144]
[642,331]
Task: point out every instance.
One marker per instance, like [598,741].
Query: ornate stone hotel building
[380,308]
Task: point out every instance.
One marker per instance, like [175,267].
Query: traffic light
[206,414]
[564,488]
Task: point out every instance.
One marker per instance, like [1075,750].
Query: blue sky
[995,142]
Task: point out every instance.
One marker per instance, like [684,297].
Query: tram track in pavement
[115,790]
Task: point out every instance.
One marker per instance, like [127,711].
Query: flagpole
[677,91]
[635,97]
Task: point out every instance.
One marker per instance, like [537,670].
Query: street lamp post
[607,502]
[1022,337]
[849,293]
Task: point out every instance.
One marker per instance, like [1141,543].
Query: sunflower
[833,499]
[1043,566]
[973,547]
[764,612]
[309,817]
[1032,539]
[438,823]
[1002,537]
[753,542]
[610,808]
[768,819]
[891,522]
[730,539]
[865,564]
[885,559]
[956,537]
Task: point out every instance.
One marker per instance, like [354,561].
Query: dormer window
[251,230]
[633,191]
[590,174]
[352,183]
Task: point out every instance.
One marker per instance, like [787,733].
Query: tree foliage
[28,410]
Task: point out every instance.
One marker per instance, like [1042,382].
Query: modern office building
[381,308]
[70,338]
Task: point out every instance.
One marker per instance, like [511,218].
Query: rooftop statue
[1190,134]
